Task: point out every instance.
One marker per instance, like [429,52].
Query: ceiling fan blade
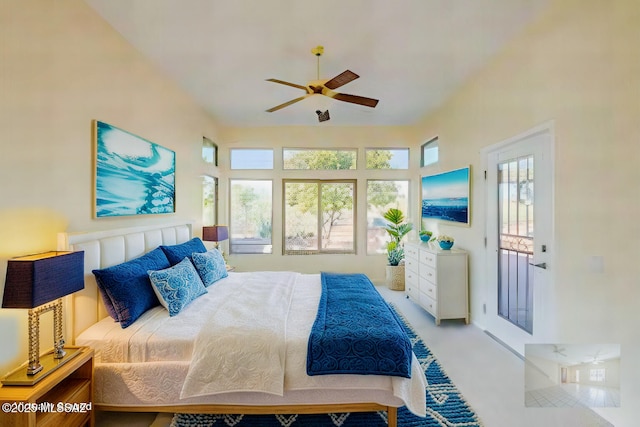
[355,99]
[286,104]
[341,79]
[282,82]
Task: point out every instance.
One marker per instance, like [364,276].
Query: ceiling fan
[595,360]
[559,351]
[325,87]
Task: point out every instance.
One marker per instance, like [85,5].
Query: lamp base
[49,364]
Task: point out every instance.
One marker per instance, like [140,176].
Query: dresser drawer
[411,264]
[429,288]
[429,304]
[411,277]
[428,258]
[428,273]
[411,251]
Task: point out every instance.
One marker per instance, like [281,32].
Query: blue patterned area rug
[445,406]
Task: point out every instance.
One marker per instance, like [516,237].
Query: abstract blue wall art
[133,176]
[445,196]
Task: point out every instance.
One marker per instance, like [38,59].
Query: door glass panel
[515,247]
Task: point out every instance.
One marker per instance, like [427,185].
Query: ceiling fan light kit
[325,87]
[323,116]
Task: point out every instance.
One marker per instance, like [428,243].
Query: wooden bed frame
[83,309]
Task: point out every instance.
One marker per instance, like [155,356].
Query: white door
[520,299]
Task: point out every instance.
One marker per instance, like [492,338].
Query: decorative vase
[446,245]
[425,237]
[395,277]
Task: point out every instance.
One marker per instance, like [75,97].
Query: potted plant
[426,235]
[397,228]
[445,242]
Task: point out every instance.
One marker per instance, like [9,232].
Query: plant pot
[446,245]
[395,277]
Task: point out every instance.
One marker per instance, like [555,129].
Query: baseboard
[504,344]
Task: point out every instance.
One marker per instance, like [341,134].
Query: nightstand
[63,398]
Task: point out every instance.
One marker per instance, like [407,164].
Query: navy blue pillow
[128,285]
[177,253]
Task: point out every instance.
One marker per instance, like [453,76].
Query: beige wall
[61,67]
[579,67]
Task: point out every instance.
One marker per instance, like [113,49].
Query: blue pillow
[210,265]
[177,253]
[128,287]
[177,286]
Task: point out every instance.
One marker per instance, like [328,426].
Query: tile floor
[573,395]
[490,377]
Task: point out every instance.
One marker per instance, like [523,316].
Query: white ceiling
[573,354]
[410,54]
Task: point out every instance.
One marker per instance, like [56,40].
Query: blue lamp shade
[34,280]
[215,233]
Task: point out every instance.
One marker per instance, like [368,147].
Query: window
[251,158]
[319,216]
[429,154]
[387,158]
[382,195]
[209,151]
[250,219]
[311,159]
[596,375]
[209,200]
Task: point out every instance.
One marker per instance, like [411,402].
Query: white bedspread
[251,328]
[124,376]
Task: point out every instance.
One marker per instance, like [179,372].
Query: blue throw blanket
[356,332]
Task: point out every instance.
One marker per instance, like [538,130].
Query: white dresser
[437,280]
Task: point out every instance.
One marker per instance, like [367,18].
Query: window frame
[353,150]
[423,147]
[597,375]
[238,150]
[406,211]
[319,250]
[216,201]
[231,229]
[207,142]
[368,149]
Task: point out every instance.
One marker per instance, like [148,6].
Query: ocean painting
[445,196]
[133,176]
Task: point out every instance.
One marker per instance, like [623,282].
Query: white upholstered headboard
[104,249]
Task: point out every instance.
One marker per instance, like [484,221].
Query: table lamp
[38,283]
[215,233]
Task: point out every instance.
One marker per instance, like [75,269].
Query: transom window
[313,159]
[429,152]
[387,158]
[209,151]
[251,158]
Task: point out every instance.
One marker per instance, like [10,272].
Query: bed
[148,366]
